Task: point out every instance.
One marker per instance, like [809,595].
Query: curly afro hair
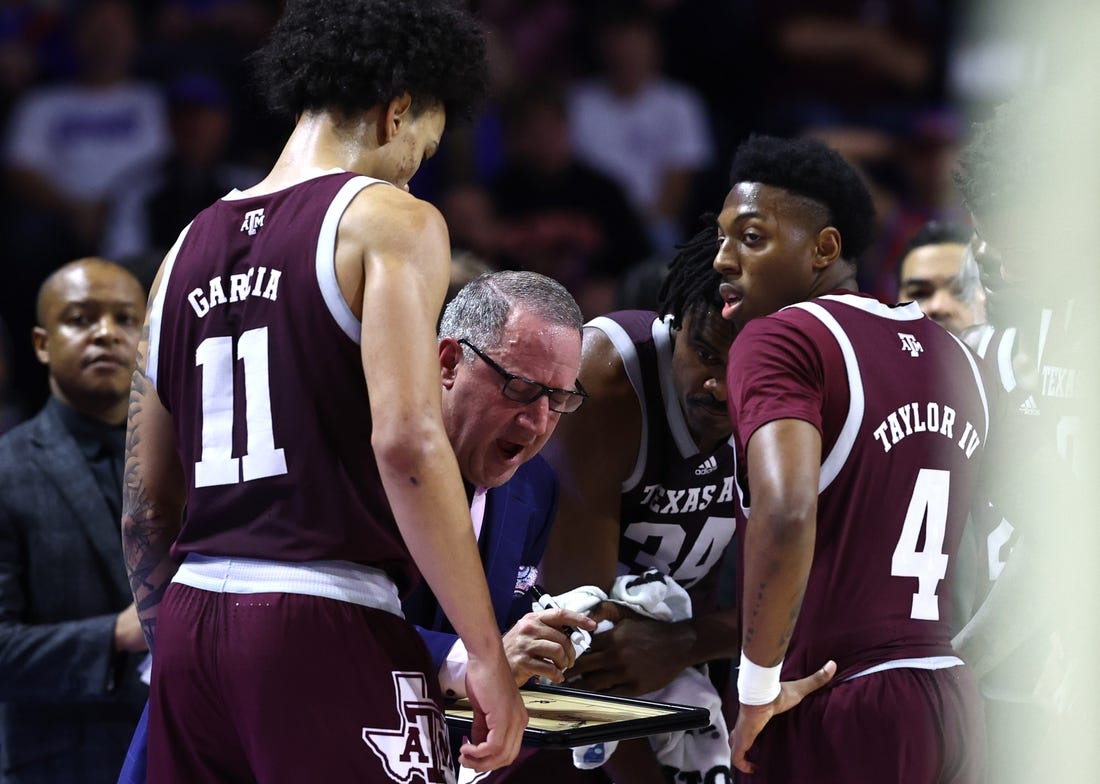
[350,55]
[999,163]
[691,286]
[808,168]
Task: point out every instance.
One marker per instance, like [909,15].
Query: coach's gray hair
[480,309]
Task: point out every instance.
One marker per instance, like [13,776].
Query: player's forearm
[422,483]
[778,553]
[152,501]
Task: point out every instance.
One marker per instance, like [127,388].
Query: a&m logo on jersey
[418,750]
[910,343]
[253,221]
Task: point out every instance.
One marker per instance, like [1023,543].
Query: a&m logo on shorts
[418,750]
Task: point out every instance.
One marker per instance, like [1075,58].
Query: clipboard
[561,718]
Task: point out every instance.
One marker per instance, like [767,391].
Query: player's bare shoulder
[603,371]
[381,215]
[384,225]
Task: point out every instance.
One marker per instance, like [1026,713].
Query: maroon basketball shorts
[904,725]
[279,687]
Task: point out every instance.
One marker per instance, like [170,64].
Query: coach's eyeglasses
[524,390]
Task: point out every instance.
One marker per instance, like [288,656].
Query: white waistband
[925,663]
[341,580]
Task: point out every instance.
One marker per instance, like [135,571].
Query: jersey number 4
[927,510]
[217,465]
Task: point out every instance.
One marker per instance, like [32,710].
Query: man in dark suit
[502,339]
[70,642]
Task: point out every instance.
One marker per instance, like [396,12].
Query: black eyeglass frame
[517,395]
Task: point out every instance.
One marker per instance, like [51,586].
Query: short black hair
[937,232]
[350,55]
[808,168]
[691,286]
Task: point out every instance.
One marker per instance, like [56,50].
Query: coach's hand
[538,644]
[752,718]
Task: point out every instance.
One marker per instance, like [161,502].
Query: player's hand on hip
[752,718]
[499,715]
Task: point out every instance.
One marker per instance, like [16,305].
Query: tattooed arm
[784,465]
[152,492]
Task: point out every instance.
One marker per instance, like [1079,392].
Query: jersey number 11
[217,465]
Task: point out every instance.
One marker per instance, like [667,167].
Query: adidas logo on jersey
[1029,406]
[708,466]
[253,221]
[911,344]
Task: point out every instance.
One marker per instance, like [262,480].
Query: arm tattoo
[146,533]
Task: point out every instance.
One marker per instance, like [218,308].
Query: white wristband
[757,685]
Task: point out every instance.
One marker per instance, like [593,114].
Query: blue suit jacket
[68,703]
[514,531]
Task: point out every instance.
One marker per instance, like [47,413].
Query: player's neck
[322,141]
[840,276]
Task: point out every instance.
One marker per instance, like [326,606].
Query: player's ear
[450,355]
[826,247]
[397,113]
[41,348]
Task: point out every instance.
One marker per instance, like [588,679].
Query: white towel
[695,753]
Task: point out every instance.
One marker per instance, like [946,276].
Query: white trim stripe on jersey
[924,663]
[629,354]
[311,173]
[987,333]
[326,257]
[1004,359]
[156,310]
[910,311]
[677,425]
[977,381]
[836,458]
[343,581]
[1045,317]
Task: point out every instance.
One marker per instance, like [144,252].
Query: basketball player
[860,428]
[279,650]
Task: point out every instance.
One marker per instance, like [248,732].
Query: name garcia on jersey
[932,418]
[257,282]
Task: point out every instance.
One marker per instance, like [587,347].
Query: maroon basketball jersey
[903,417]
[678,505]
[256,354]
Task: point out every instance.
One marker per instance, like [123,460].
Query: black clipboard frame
[669,717]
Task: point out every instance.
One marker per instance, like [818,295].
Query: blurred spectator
[31,42]
[72,148]
[11,413]
[472,222]
[149,218]
[650,134]
[537,33]
[561,217]
[465,266]
[938,273]
[845,61]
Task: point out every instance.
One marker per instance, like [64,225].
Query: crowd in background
[608,130]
